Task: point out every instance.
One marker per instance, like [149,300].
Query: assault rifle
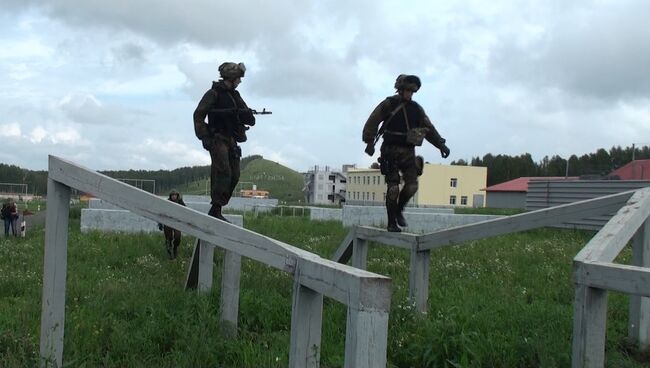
[236,114]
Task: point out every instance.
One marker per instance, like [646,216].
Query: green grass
[500,302]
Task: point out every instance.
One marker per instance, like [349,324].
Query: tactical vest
[395,132]
[223,123]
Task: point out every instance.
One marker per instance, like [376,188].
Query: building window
[373,196]
[384,196]
[332,177]
[452,200]
[463,200]
[453,182]
[374,180]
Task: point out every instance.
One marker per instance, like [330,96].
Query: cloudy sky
[113,84]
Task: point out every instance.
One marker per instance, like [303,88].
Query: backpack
[5,211]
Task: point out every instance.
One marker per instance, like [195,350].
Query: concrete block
[125,221]
[325,214]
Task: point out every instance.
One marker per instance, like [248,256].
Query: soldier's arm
[432,135]
[378,115]
[200,126]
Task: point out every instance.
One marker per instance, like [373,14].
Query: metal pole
[566,173]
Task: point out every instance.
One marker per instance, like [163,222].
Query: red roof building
[512,194]
[521,184]
[635,170]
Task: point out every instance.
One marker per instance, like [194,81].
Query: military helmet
[232,71]
[408,82]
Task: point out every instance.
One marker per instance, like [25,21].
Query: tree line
[501,168]
[165,179]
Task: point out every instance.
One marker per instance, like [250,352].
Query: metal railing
[366,295]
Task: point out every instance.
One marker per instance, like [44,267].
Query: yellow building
[439,185]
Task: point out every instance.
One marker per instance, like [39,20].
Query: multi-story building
[439,185]
[325,186]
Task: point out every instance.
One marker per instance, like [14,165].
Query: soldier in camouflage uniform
[172,236]
[228,119]
[401,115]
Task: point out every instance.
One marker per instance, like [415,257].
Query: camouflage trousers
[172,240]
[397,163]
[224,171]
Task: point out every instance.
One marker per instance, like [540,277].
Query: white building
[325,186]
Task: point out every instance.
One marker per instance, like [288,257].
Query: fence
[592,273]
[366,295]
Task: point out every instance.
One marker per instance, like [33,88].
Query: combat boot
[392,225]
[215,212]
[399,216]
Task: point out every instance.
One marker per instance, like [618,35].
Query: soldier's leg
[220,178]
[409,171]
[391,174]
[177,242]
[235,157]
[169,237]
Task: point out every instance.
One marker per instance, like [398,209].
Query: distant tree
[460,162]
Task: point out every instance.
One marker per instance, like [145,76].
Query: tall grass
[500,302]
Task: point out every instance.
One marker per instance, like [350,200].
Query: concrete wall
[125,221]
[506,200]
[420,223]
[202,204]
[325,214]
[420,220]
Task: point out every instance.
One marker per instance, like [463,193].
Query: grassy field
[500,302]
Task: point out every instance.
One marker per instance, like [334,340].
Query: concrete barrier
[420,220]
[200,202]
[325,214]
[419,223]
[126,221]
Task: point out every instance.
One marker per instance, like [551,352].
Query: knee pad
[410,188]
[392,193]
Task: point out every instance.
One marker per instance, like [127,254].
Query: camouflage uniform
[397,155]
[220,136]
[172,236]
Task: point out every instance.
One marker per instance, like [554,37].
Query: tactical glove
[207,143]
[444,151]
[370,149]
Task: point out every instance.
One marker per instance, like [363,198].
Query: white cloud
[38,134]
[11,130]
[94,81]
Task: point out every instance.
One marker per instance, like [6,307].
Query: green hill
[280,181]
